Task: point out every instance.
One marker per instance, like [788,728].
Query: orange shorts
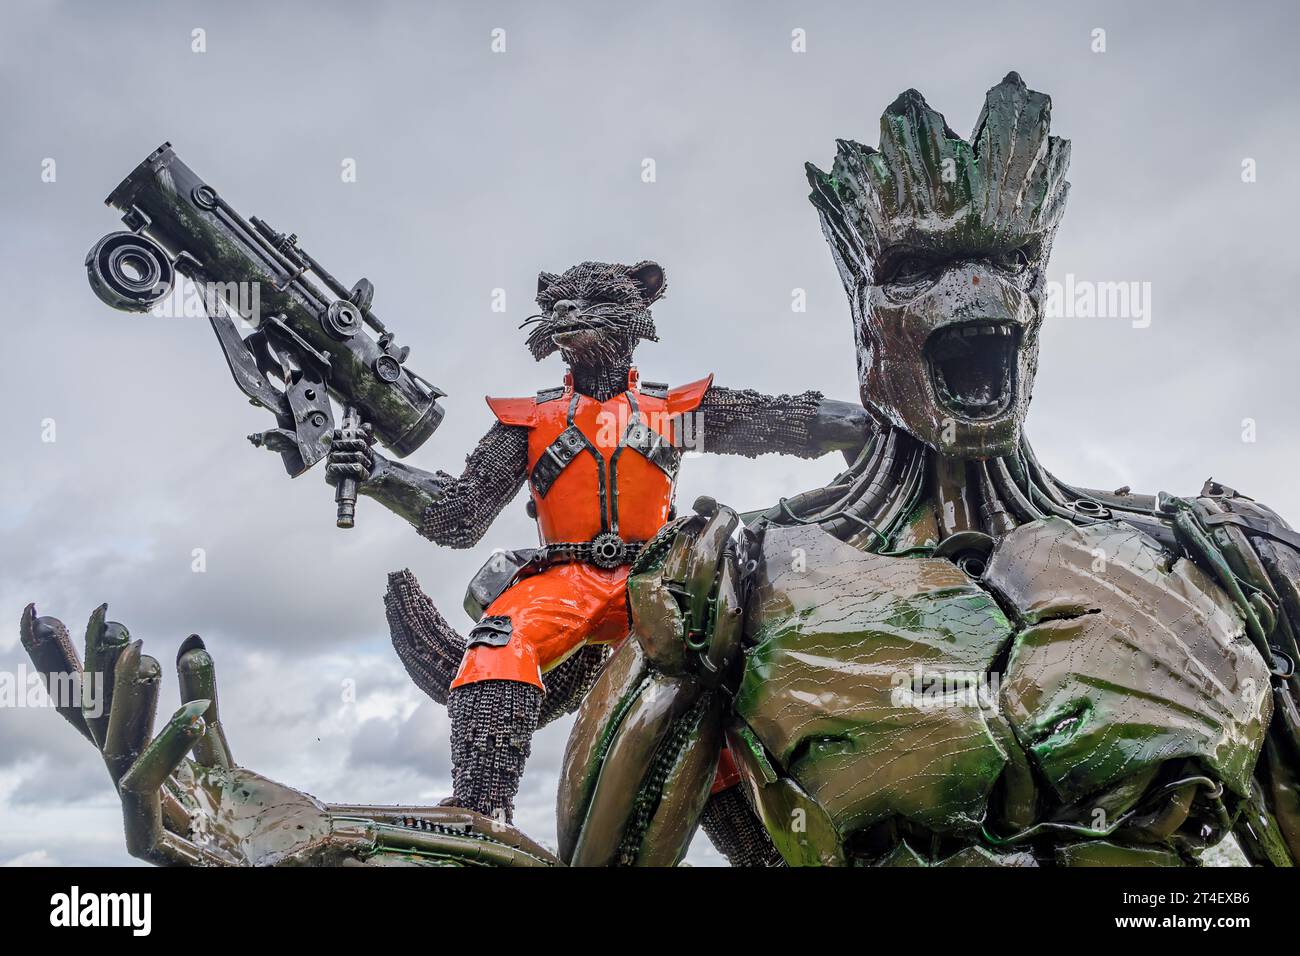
[552,614]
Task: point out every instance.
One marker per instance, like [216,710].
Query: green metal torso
[908,709]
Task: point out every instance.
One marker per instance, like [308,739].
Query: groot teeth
[979,328]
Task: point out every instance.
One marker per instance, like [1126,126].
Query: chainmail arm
[455,512]
[750,423]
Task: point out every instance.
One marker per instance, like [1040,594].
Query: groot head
[942,245]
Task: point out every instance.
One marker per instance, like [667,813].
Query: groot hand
[644,750]
[204,810]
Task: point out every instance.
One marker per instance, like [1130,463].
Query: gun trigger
[275,439]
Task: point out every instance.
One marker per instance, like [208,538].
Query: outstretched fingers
[47,644]
[141,784]
[198,679]
[105,640]
[136,682]
[112,702]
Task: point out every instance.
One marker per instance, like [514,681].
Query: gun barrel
[267,280]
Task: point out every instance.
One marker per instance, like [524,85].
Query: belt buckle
[608,550]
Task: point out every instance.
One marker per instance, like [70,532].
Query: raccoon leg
[567,684]
[492,725]
[429,648]
[735,831]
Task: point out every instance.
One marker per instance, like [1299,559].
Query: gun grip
[345,496]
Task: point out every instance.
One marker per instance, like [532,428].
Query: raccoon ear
[544,280]
[649,276]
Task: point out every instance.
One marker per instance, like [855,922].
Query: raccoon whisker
[581,323]
[532,319]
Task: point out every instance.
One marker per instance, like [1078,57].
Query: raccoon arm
[750,423]
[455,512]
[840,426]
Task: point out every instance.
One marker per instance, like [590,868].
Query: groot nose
[974,294]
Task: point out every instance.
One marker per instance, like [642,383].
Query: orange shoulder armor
[687,398]
[514,411]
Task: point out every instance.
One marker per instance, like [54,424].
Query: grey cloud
[418,743]
[475,171]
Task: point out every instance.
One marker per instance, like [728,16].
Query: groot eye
[910,267]
[1016,261]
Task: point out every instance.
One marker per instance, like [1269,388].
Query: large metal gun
[308,342]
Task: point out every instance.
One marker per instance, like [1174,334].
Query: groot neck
[902,496]
[996,495]
[991,495]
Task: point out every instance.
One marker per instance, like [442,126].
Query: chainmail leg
[429,648]
[567,684]
[735,831]
[492,725]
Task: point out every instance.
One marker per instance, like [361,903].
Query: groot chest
[894,694]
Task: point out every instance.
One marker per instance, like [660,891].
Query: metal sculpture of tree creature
[945,656]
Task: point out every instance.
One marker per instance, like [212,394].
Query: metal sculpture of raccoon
[599,453]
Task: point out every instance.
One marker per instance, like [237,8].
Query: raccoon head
[595,313]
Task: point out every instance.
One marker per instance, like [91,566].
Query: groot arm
[1262,555]
[185,802]
[642,756]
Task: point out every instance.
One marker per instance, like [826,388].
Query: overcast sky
[475,170]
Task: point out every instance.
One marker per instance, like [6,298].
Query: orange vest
[602,466]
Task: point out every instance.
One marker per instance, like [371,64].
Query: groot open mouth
[973,368]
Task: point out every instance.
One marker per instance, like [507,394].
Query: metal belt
[606,550]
